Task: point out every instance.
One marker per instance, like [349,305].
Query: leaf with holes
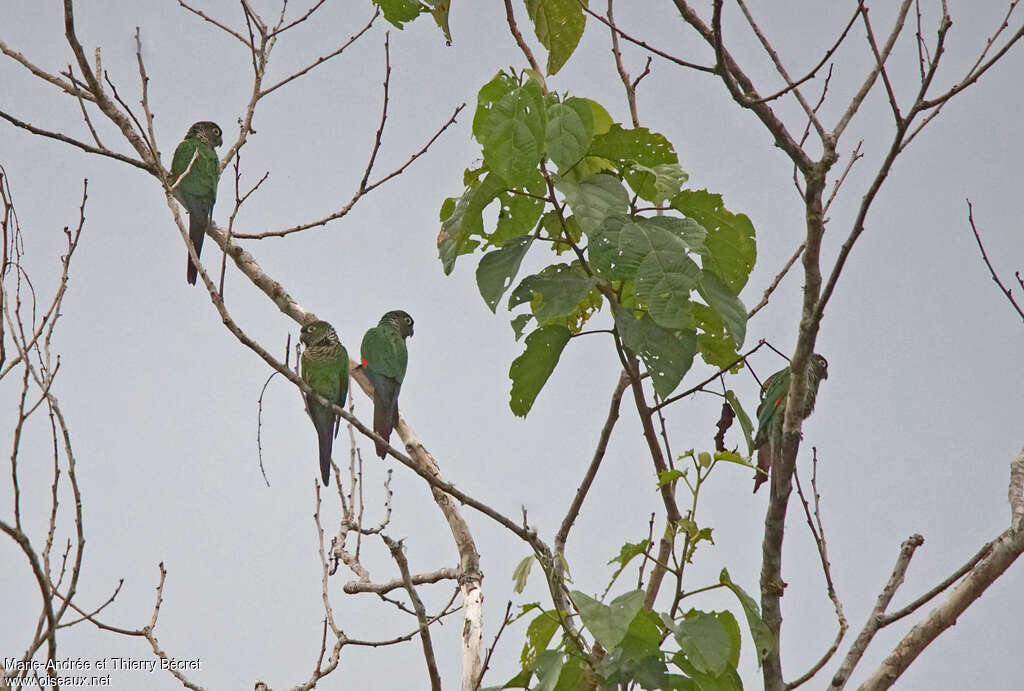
[530,371]
[513,135]
[667,356]
[730,246]
[558,25]
[496,270]
[594,199]
[570,130]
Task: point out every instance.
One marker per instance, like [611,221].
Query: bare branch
[649,48]
[1005,550]
[207,18]
[383,112]
[984,255]
[869,81]
[595,464]
[863,639]
[322,59]
[74,142]
[359,193]
[397,552]
[446,574]
[818,533]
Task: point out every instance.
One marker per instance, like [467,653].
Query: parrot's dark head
[400,321]
[818,367]
[317,333]
[207,131]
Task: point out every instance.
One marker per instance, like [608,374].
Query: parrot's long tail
[385,410]
[325,438]
[196,232]
[764,465]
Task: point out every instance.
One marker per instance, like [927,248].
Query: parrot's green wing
[770,414]
[384,357]
[384,353]
[773,400]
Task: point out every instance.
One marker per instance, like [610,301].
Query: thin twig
[595,464]
[984,255]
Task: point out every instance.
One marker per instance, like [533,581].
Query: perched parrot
[384,357]
[325,368]
[197,191]
[772,410]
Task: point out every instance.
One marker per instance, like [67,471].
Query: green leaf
[490,93]
[732,627]
[558,25]
[657,183]
[729,680]
[513,136]
[466,220]
[519,681]
[602,120]
[519,323]
[748,428]
[704,459]
[719,297]
[608,623]
[713,343]
[643,637]
[686,229]
[626,554]
[731,248]
[667,356]
[764,641]
[594,199]
[705,642]
[530,371]
[569,132]
[587,166]
[439,10]
[496,270]
[561,288]
[665,278]
[731,457]
[521,573]
[538,635]
[548,668]
[624,248]
[397,12]
[638,145]
[519,213]
[666,477]
[628,551]
[571,677]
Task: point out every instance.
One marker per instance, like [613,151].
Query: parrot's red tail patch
[365,363]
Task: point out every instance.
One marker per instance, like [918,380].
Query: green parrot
[384,357]
[324,366]
[197,191]
[772,411]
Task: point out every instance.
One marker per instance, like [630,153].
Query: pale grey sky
[915,426]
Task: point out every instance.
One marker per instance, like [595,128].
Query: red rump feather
[365,363]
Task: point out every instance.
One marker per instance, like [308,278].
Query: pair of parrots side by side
[772,411]
[197,191]
[325,367]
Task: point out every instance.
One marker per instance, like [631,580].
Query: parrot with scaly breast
[324,366]
[384,357]
[197,191]
[772,411]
